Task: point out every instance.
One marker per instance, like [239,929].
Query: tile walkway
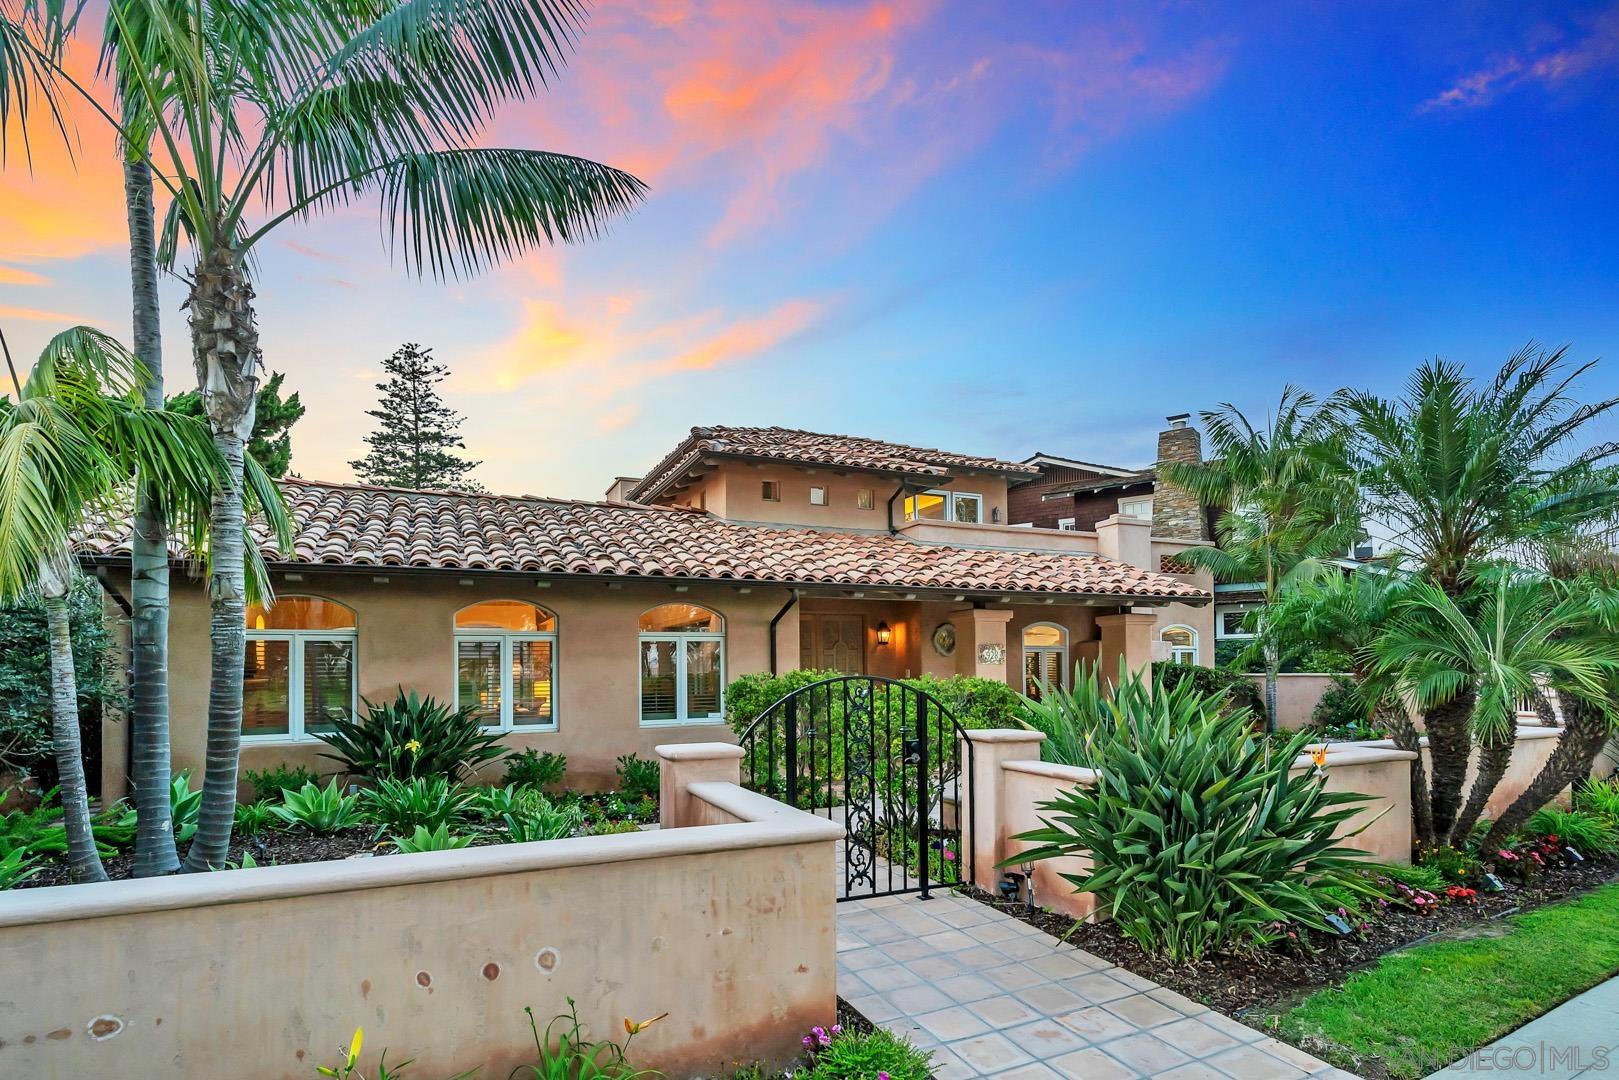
[993,996]
[1579,1038]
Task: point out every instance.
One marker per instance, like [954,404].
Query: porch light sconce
[884,634]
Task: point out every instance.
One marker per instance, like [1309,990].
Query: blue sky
[998,228]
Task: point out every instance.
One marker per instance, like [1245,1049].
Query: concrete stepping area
[992,996]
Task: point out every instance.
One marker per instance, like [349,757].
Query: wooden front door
[833,643]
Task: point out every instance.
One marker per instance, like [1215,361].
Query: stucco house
[597,629]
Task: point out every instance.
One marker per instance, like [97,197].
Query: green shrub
[861,1056]
[535,769]
[639,778]
[253,818]
[1240,691]
[424,839]
[494,803]
[613,828]
[1427,878]
[540,819]
[748,696]
[1454,867]
[321,810]
[1586,832]
[975,703]
[16,867]
[412,736]
[1600,797]
[1200,838]
[399,806]
[270,783]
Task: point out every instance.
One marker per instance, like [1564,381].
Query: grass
[1422,1008]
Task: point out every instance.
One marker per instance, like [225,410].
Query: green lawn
[1420,1009]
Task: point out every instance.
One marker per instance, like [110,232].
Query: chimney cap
[1178,420]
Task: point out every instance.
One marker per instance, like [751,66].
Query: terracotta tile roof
[815,449]
[355,525]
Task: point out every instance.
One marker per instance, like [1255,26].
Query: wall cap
[1004,735]
[1052,770]
[1354,754]
[698,751]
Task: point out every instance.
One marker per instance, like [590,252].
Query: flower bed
[1238,981]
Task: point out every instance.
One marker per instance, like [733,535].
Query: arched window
[1045,657]
[298,674]
[1182,642]
[505,664]
[682,662]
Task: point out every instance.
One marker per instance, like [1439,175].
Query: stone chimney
[1177,514]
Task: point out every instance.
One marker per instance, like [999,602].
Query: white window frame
[680,638]
[1177,650]
[949,498]
[818,495]
[1067,524]
[1136,499]
[1220,610]
[295,732]
[505,638]
[1062,669]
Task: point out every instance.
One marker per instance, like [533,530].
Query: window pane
[1053,661]
[1042,635]
[531,682]
[266,702]
[517,615]
[658,680]
[328,683]
[927,505]
[702,679]
[300,613]
[1031,674]
[477,679]
[681,618]
[969,509]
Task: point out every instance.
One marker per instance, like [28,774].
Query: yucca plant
[412,736]
[399,806]
[321,810]
[1200,838]
[424,839]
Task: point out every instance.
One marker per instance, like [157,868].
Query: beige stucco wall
[735,491]
[1296,696]
[406,637]
[1385,775]
[262,974]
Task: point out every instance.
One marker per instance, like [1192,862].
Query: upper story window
[817,495]
[940,505]
[1231,620]
[1182,642]
[770,490]
[298,674]
[505,664]
[1045,657]
[1139,506]
[865,499]
[682,663]
[1067,524]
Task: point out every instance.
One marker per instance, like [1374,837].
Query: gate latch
[913,751]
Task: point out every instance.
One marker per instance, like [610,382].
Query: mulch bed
[273,847]
[1235,983]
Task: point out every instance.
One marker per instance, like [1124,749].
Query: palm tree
[70,442]
[1468,663]
[302,108]
[1288,495]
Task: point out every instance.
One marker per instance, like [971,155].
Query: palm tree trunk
[1494,755]
[1585,732]
[149,566]
[1450,742]
[1398,721]
[225,349]
[84,862]
[1273,663]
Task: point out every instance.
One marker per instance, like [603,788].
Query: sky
[995,228]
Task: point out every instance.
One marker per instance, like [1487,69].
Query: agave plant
[541,819]
[321,810]
[424,839]
[1199,835]
[412,736]
[1075,721]
[399,806]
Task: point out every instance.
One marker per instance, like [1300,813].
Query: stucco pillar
[685,764]
[983,827]
[1126,540]
[981,646]
[1126,637]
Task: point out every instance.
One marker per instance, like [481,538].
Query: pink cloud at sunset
[1554,64]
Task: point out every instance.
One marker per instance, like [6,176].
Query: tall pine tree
[416,431]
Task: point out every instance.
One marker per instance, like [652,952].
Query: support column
[1126,540]
[1126,637]
[685,764]
[983,808]
[981,646]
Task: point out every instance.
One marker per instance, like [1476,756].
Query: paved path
[991,995]
[1578,1038]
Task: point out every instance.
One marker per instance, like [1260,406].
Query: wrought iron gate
[884,758]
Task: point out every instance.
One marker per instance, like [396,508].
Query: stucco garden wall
[1296,696]
[262,974]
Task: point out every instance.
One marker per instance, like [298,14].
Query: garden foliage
[412,736]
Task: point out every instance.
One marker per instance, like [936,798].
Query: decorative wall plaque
[944,639]
[992,654]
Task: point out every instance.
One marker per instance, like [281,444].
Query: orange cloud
[27,314]
[746,338]
[16,275]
